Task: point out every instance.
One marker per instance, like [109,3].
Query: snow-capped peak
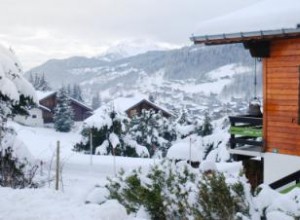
[128,48]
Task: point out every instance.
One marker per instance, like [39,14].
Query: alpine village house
[271,32]
[44,112]
[49,102]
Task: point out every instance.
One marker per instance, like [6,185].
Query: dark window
[33,116]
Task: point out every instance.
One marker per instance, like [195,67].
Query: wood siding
[80,112]
[281,97]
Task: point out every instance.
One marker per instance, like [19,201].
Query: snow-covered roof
[266,17]
[44,108]
[45,94]
[122,104]
[101,116]
[150,103]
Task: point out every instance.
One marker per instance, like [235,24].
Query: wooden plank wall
[281,97]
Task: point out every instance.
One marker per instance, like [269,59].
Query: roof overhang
[246,36]
[258,42]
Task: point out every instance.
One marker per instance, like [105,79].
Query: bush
[170,191]
[219,200]
[12,171]
[161,191]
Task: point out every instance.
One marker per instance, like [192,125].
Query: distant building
[147,105]
[49,102]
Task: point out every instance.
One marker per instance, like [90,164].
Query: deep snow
[79,178]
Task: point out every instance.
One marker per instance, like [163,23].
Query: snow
[79,179]
[263,15]
[277,215]
[114,140]
[142,151]
[208,166]
[82,186]
[44,94]
[29,204]
[220,77]
[184,151]
[98,195]
[102,149]
[101,115]
[12,82]
[20,150]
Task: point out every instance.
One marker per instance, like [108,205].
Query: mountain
[128,48]
[194,77]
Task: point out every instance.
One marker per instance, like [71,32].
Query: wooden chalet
[147,105]
[49,102]
[275,136]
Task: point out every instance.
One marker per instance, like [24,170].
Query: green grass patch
[290,188]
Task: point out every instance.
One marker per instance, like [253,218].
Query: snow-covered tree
[207,127]
[77,93]
[96,101]
[16,94]
[147,130]
[63,115]
[183,118]
[74,91]
[39,82]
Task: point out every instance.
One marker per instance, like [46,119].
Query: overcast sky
[39,30]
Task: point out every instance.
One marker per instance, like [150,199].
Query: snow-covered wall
[277,166]
[34,119]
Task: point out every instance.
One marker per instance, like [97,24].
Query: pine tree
[77,93]
[184,118]
[146,129]
[39,82]
[151,98]
[63,116]
[96,101]
[207,127]
[44,85]
[68,90]
[14,99]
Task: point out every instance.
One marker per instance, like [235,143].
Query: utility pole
[57,166]
[190,153]
[91,147]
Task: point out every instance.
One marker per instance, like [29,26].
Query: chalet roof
[44,108]
[45,95]
[151,104]
[267,19]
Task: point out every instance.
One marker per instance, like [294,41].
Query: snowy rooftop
[43,94]
[154,105]
[264,17]
[100,116]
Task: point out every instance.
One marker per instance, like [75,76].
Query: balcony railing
[246,131]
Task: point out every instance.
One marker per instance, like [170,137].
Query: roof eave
[246,36]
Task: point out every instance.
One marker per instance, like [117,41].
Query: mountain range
[194,77]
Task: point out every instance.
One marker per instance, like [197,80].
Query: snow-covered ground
[79,178]
[78,195]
